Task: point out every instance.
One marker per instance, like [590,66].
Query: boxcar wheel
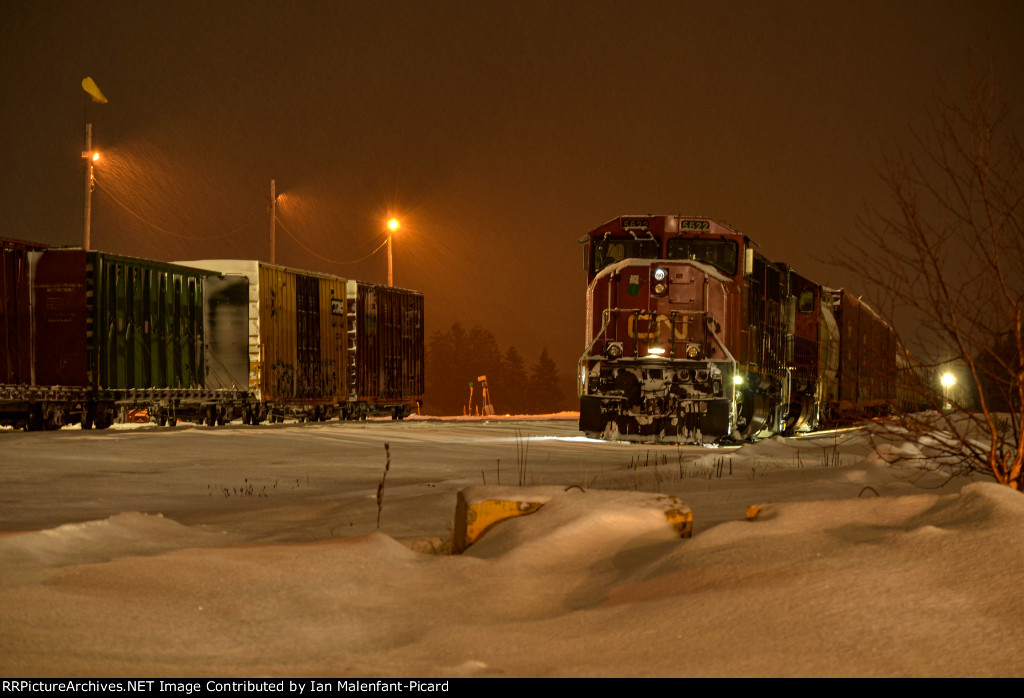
[35,419]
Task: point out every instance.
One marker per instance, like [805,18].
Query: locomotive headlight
[692,351]
[659,281]
[613,350]
[737,379]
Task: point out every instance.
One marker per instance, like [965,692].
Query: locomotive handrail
[581,380]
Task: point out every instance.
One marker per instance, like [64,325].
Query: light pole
[393,225]
[273,220]
[90,157]
[93,90]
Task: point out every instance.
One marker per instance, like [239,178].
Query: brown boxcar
[387,364]
[867,361]
[15,359]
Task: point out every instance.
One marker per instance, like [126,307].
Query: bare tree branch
[948,260]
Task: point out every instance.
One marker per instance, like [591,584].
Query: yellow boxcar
[283,331]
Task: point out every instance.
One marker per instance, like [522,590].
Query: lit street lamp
[393,225]
[948,380]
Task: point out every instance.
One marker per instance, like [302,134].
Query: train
[694,336]
[87,337]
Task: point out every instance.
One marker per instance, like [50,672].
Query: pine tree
[545,395]
[513,395]
[446,387]
[455,359]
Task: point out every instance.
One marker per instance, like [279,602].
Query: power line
[321,257]
[165,230]
[235,232]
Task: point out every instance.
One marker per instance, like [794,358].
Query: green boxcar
[113,323]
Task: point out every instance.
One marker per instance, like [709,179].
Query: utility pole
[393,225]
[273,221]
[90,87]
[88,156]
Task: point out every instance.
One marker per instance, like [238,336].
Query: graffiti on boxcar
[370,323]
[317,381]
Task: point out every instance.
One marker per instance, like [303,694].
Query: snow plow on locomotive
[693,336]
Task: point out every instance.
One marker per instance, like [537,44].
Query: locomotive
[694,336]
[86,336]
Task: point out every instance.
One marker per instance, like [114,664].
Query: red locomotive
[693,336]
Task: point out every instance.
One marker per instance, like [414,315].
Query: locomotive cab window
[720,254]
[805,303]
[612,250]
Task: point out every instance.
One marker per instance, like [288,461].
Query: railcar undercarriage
[658,401]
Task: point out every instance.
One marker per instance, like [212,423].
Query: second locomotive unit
[693,336]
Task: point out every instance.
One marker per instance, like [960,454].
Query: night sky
[498,132]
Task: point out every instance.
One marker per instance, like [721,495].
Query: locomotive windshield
[611,250]
[720,254]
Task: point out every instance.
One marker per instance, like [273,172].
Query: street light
[393,225]
[948,380]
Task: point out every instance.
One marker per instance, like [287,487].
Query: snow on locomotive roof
[669,224]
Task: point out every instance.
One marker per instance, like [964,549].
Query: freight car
[278,333]
[312,346]
[15,330]
[694,336]
[387,353]
[88,336]
[101,333]
[14,310]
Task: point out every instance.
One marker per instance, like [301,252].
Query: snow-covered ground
[254,551]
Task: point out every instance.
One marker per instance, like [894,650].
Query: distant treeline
[457,358]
